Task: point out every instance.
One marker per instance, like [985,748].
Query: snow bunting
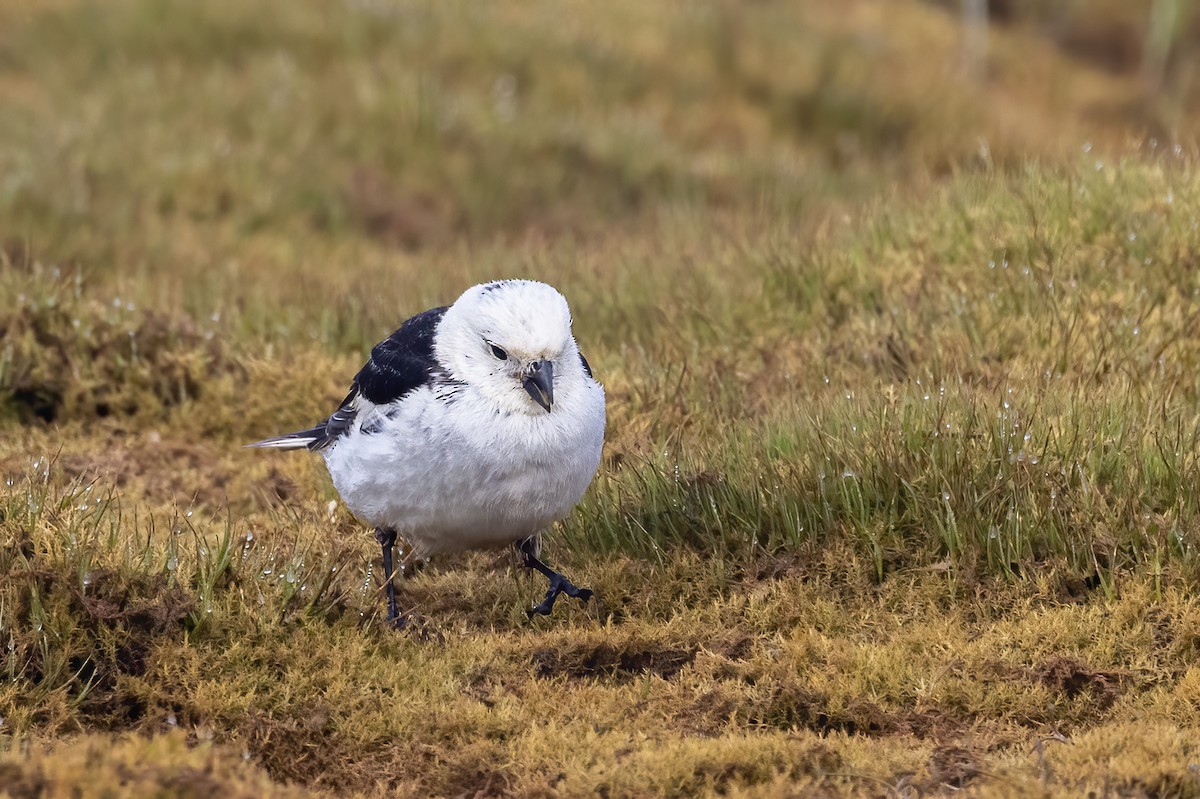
[473,425]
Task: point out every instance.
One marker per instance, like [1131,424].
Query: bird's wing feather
[400,364]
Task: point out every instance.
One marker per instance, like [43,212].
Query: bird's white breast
[451,475]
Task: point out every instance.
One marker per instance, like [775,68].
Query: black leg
[387,539]
[558,583]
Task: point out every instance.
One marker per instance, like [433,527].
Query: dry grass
[898,494]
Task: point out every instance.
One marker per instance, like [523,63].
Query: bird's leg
[386,536]
[558,583]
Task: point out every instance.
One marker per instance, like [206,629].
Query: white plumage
[471,426]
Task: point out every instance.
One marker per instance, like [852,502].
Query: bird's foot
[387,538]
[559,585]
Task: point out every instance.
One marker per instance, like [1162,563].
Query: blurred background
[220,178]
[139,137]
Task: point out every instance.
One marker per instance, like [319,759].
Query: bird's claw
[559,585]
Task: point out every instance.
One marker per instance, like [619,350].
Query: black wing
[400,364]
[586,368]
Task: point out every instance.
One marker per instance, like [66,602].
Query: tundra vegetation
[900,494]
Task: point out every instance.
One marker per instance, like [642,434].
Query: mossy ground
[899,493]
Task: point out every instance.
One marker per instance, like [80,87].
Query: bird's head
[512,340]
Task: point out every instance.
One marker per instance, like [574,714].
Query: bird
[474,425]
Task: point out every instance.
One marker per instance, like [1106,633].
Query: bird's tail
[305,439]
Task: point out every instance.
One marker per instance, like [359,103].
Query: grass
[897,496]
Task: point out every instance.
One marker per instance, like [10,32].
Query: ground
[901,346]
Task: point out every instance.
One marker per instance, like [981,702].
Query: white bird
[473,425]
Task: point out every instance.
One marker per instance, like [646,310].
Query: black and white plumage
[473,425]
[402,362]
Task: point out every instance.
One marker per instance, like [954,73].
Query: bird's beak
[539,383]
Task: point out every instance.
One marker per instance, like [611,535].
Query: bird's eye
[499,353]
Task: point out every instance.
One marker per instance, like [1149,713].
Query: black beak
[540,383]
